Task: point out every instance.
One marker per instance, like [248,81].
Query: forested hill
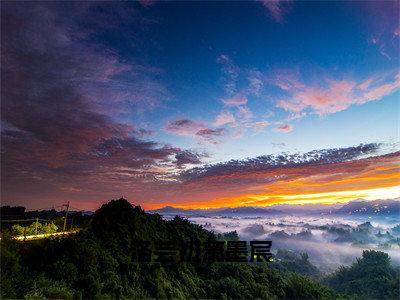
[98,262]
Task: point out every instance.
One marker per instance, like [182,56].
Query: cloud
[187,127]
[225,117]
[283,128]
[319,176]
[300,98]
[272,162]
[298,232]
[188,158]
[378,90]
[278,145]
[209,134]
[230,73]
[142,132]
[260,126]
[245,113]
[277,8]
[332,96]
[240,120]
[60,104]
[235,101]
[48,79]
[286,79]
[256,82]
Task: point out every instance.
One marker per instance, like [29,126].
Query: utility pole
[66,214]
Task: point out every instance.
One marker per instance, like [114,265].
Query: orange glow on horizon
[368,179]
[299,199]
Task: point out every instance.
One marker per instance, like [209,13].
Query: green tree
[370,277]
[17,230]
[49,228]
[35,227]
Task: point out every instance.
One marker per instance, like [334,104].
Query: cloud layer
[61,97]
[320,176]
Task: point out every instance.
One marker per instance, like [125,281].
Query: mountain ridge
[356,207]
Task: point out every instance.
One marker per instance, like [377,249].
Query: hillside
[99,262]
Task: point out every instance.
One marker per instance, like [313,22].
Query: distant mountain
[378,207]
[169,210]
[280,234]
[307,209]
[87,213]
[245,210]
[175,211]
[249,210]
[365,226]
[359,207]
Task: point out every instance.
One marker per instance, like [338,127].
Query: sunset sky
[199,104]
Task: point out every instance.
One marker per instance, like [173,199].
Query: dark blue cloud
[268,162]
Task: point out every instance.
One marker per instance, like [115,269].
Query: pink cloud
[187,127]
[260,126]
[286,79]
[245,113]
[276,8]
[365,84]
[209,135]
[207,132]
[184,127]
[238,134]
[235,101]
[230,73]
[283,128]
[225,117]
[378,91]
[256,83]
[335,95]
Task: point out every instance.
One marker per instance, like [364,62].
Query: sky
[199,104]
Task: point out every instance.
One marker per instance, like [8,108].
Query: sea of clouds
[330,241]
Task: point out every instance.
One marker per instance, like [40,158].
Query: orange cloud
[370,178]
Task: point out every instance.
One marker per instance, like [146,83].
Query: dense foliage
[97,263]
[34,228]
[369,277]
